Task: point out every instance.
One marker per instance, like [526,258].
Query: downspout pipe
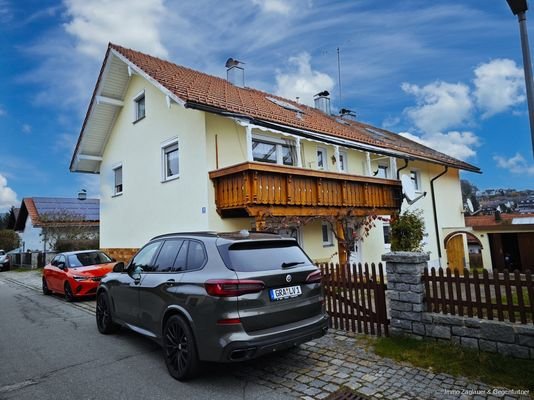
[435,211]
[401,168]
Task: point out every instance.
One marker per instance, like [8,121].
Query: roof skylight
[284,104]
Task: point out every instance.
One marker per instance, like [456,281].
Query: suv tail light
[314,277]
[232,287]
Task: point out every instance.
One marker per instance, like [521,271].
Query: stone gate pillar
[405,291]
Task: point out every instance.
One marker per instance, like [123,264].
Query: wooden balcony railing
[250,189]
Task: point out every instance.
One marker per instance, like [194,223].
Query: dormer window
[139,106]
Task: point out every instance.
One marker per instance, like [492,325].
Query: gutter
[401,168]
[435,211]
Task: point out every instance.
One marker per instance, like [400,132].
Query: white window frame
[278,143]
[114,168]
[384,167]
[330,234]
[164,146]
[417,181]
[323,151]
[345,166]
[136,99]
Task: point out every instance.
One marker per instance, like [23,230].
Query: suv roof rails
[225,235]
[197,233]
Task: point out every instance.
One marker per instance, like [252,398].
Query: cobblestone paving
[338,360]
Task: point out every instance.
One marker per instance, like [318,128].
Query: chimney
[322,101]
[234,73]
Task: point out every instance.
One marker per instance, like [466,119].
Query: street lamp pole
[519,8]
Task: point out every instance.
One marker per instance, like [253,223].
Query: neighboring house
[179,150]
[54,214]
[505,242]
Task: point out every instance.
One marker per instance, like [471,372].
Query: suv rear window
[264,255]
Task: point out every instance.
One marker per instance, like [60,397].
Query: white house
[36,213]
[180,150]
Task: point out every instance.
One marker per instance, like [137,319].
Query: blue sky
[447,73]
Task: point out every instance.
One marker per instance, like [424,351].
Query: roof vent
[345,113]
[82,195]
[234,73]
[322,101]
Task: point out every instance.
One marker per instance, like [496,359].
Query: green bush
[63,245]
[407,231]
[9,239]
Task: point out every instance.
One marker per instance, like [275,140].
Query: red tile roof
[487,221]
[199,89]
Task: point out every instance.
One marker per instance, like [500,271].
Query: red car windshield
[85,259]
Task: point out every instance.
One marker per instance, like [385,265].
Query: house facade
[39,215]
[179,150]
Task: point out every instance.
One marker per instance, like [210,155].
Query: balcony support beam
[248,131]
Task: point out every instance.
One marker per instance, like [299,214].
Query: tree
[9,240]
[346,227]
[65,226]
[407,231]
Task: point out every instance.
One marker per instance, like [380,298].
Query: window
[117,187]
[181,260]
[343,161]
[327,235]
[415,177]
[382,171]
[195,255]
[274,152]
[170,162]
[142,262]
[167,256]
[139,103]
[321,158]
[387,234]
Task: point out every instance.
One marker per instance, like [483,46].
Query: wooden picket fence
[503,296]
[355,297]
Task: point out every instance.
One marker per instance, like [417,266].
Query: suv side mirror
[119,267]
[61,265]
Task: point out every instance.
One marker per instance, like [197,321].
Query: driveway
[59,337]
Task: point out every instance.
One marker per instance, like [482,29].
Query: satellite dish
[470,206]
[408,190]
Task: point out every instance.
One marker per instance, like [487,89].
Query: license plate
[285,293]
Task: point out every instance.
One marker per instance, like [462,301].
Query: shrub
[407,231]
[9,240]
[63,245]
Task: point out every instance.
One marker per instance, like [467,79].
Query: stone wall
[405,295]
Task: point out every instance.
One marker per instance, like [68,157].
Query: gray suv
[215,297]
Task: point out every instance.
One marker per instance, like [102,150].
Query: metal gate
[355,297]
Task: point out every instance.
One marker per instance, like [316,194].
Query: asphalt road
[50,349]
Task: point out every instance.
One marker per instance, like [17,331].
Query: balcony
[253,189]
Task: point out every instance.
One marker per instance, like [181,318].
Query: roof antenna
[339,74]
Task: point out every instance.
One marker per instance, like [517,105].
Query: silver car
[4,261]
[215,297]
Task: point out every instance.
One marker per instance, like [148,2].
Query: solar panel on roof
[88,209]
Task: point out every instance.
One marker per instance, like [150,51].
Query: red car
[76,274]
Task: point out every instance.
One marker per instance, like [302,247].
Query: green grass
[37,270]
[492,369]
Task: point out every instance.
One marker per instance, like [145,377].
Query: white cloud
[2,111]
[499,84]
[273,6]
[133,23]
[26,128]
[8,197]
[302,82]
[440,105]
[454,143]
[516,164]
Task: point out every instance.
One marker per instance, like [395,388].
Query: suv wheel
[179,349]
[46,291]
[104,322]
